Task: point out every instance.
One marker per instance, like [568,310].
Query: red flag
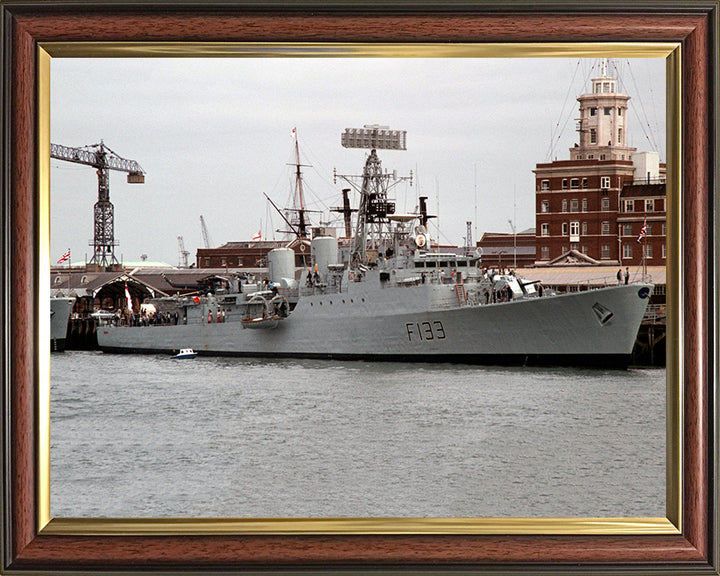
[64,257]
[257,237]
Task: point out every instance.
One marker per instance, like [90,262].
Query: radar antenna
[374,208]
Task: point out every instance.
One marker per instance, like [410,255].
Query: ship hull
[60,310]
[593,328]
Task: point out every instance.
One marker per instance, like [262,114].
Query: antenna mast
[374,207]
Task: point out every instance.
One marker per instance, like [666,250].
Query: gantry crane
[103,160]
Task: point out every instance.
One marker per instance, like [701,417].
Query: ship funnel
[324,251]
[424,216]
[423,210]
[281,264]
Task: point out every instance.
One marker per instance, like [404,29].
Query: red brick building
[506,250]
[581,203]
[642,205]
[236,255]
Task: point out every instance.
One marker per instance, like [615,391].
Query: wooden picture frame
[686,542]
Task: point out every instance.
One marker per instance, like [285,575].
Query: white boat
[388,297]
[184,354]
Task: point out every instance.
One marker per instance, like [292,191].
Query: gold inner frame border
[671,524]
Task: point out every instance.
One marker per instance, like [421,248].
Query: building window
[591,156]
[574,228]
[564,229]
[606,87]
[584,204]
[629,206]
[584,249]
[593,136]
[608,111]
[620,135]
[605,182]
[648,229]
[564,184]
[627,229]
[649,205]
[593,111]
[664,229]
[584,183]
[575,246]
[605,204]
[647,248]
[620,112]
[574,205]
[545,206]
[207,262]
[584,229]
[545,185]
[575,183]
[545,252]
[605,228]
[627,251]
[544,229]
[602,156]
[564,205]
[605,251]
[240,262]
[664,251]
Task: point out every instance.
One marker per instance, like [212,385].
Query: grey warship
[387,297]
[60,310]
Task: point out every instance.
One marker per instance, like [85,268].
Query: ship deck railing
[655,314]
[158,319]
[321,288]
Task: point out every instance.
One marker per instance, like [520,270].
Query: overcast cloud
[213,135]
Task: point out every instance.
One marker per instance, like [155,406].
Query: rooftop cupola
[604,84]
[602,122]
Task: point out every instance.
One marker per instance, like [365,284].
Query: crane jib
[101,157]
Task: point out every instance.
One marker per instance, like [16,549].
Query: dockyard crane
[205,235]
[183,254]
[103,160]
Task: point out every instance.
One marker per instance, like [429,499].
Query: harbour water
[146,436]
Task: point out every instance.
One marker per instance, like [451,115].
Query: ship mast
[374,208]
[302,225]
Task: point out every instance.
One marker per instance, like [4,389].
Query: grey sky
[213,135]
